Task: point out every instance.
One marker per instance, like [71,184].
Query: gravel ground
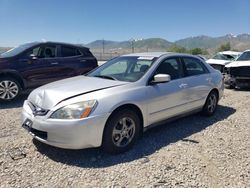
[192,152]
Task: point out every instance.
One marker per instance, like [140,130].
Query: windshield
[245,56]
[125,68]
[220,56]
[15,51]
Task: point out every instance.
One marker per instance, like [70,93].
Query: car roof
[148,54]
[159,54]
[58,43]
[247,50]
[230,53]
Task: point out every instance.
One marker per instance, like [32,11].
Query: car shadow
[14,104]
[152,140]
[244,89]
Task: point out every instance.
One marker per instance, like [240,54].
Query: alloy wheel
[8,90]
[212,102]
[123,132]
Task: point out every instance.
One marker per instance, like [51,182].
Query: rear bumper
[69,134]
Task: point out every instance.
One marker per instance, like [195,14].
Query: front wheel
[121,131]
[211,104]
[9,89]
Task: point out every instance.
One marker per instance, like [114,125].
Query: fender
[14,73]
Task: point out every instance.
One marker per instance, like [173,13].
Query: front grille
[240,71]
[226,70]
[37,111]
[40,134]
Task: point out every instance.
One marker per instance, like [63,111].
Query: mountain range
[238,42]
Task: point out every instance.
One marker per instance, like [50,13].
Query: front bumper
[69,134]
[229,80]
[237,81]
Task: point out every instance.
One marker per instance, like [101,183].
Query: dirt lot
[192,152]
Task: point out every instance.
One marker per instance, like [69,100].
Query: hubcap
[123,132]
[8,90]
[212,102]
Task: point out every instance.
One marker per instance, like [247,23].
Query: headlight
[75,111]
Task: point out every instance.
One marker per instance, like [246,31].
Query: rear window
[87,53]
[193,66]
[69,51]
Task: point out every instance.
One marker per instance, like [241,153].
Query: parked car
[237,73]
[34,64]
[220,59]
[202,57]
[113,104]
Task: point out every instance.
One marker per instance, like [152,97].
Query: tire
[9,89]
[211,104]
[121,131]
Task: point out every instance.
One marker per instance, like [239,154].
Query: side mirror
[33,57]
[161,78]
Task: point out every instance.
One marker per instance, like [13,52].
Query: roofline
[59,43]
[159,54]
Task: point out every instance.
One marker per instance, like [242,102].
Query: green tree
[198,51]
[224,47]
[178,49]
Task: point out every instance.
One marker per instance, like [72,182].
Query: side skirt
[172,119]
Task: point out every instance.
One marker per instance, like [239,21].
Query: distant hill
[151,43]
[4,49]
[240,42]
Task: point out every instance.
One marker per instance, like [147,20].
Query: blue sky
[82,21]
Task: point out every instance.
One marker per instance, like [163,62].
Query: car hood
[217,61]
[51,94]
[239,64]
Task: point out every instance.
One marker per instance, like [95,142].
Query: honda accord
[112,105]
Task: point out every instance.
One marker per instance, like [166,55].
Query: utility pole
[133,48]
[132,45]
[102,46]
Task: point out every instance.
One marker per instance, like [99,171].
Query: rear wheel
[211,104]
[121,131]
[9,89]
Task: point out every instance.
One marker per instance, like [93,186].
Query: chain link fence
[105,56]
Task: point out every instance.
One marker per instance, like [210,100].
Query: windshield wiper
[106,77]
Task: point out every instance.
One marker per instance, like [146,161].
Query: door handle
[54,63]
[183,86]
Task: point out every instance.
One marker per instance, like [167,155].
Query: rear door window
[67,51]
[193,66]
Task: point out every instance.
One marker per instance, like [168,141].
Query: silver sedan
[112,105]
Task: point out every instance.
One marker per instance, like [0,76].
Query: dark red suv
[34,64]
